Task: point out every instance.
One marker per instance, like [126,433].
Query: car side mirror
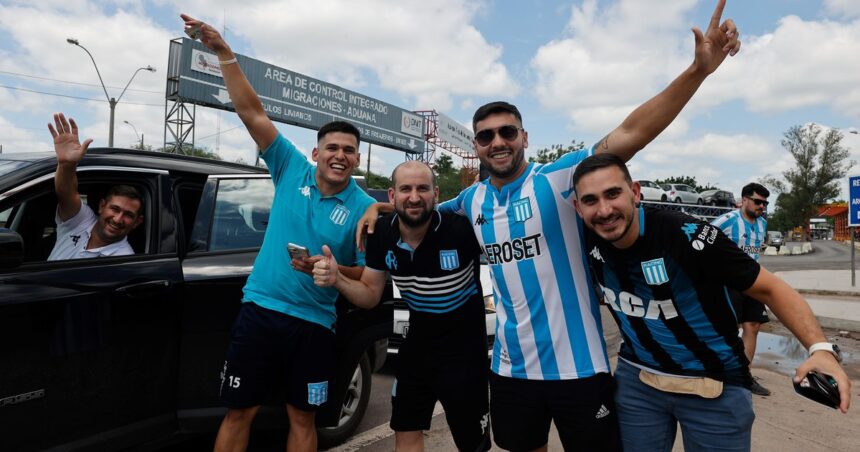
[11,248]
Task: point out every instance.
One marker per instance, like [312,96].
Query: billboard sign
[297,99]
[854,203]
[454,133]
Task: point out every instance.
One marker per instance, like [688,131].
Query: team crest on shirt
[448,259]
[391,260]
[317,393]
[655,272]
[521,209]
[339,214]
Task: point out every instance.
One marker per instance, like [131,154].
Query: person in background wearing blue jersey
[664,276]
[284,331]
[434,260]
[549,359]
[748,229]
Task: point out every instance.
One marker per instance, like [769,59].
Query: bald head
[413,165]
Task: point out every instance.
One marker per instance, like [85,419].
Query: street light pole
[111,101]
[138,135]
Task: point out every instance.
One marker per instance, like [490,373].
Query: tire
[677,200]
[663,198]
[353,406]
[712,203]
[699,201]
[641,197]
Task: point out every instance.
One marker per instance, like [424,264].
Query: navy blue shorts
[748,309]
[270,349]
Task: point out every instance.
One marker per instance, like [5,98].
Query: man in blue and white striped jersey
[748,228]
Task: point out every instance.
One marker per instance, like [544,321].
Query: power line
[74,83]
[77,97]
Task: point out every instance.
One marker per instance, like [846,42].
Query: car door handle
[146,288]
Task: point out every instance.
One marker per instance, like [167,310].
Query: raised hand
[325,269]
[66,143]
[209,36]
[718,41]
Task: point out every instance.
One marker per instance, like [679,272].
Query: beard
[505,172]
[413,221]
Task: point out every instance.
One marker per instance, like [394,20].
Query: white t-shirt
[74,234]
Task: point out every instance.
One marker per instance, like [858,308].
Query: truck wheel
[353,406]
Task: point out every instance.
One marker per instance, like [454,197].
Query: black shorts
[583,411]
[748,309]
[269,349]
[460,384]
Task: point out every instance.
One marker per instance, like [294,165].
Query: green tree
[374,180]
[821,162]
[193,151]
[554,152]
[447,177]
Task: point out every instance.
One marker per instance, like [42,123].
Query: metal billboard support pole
[852,257]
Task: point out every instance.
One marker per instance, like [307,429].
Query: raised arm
[245,100]
[651,118]
[793,311]
[364,292]
[70,152]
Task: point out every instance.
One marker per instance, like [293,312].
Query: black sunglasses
[820,388]
[508,133]
[759,202]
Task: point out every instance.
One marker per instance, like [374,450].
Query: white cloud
[850,8]
[426,52]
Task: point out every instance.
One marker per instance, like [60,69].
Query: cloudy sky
[575,69]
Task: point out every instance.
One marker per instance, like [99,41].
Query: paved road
[827,255]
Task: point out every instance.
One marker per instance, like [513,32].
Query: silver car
[681,193]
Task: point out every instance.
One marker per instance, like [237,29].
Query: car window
[32,215]
[242,208]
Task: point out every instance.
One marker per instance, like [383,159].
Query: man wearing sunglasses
[748,228]
[549,360]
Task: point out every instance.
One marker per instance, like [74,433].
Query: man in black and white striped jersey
[434,260]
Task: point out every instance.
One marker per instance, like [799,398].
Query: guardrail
[701,212]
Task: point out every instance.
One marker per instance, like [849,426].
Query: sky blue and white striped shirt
[748,236]
[548,322]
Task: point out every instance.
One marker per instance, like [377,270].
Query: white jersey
[74,234]
[748,236]
[548,320]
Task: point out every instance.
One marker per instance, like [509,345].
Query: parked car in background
[680,193]
[652,192]
[719,198]
[401,314]
[774,238]
[119,353]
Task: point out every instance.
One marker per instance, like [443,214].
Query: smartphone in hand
[195,31]
[820,388]
[297,251]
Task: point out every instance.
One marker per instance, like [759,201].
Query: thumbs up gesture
[325,270]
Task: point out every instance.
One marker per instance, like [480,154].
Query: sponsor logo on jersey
[602,412]
[448,259]
[339,214]
[629,304]
[514,250]
[595,253]
[655,272]
[521,209]
[689,229]
[305,191]
[481,220]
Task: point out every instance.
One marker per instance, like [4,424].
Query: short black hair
[339,126]
[600,161]
[753,187]
[492,108]
[127,191]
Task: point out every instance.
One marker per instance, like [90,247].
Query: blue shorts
[268,350]
[648,417]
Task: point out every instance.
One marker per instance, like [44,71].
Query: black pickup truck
[125,352]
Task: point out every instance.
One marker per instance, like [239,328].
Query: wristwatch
[827,346]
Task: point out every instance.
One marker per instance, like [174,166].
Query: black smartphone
[194,32]
[820,388]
